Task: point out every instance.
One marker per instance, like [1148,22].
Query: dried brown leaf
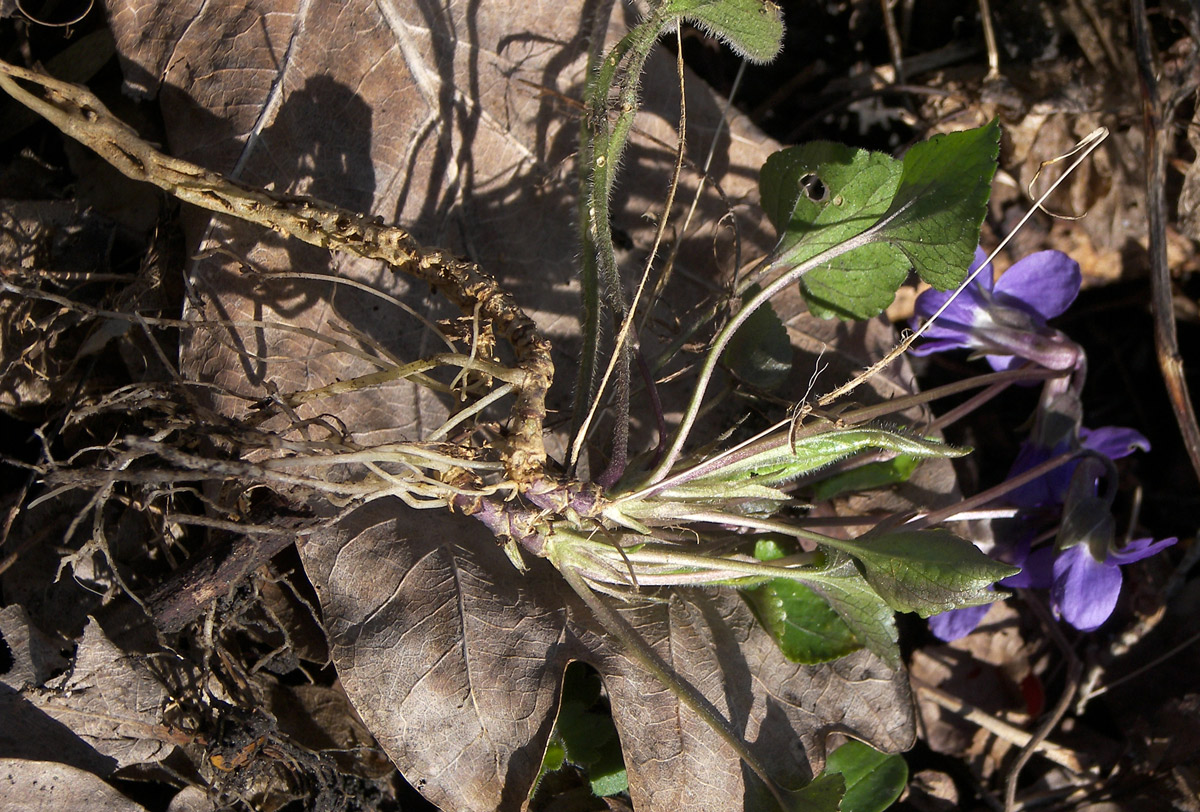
[26,785]
[191,799]
[321,719]
[32,655]
[29,731]
[454,660]
[111,701]
[985,669]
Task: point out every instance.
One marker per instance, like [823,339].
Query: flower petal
[1003,363]
[1044,283]
[987,277]
[957,622]
[1048,489]
[1085,590]
[1036,573]
[962,314]
[1138,549]
[960,311]
[1113,442]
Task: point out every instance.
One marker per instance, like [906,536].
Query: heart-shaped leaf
[866,613]
[941,201]
[821,194]
[923,212]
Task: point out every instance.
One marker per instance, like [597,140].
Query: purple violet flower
[1005,319]
[1085,578]
[957,623]
[1085,589]
[1113,442]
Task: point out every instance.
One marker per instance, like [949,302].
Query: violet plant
[1005,321]
[852,225]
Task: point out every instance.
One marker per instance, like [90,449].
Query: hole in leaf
[814,188]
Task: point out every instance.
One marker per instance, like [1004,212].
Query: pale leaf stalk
[678,567]
[475,408]
[983,497]
[726,335]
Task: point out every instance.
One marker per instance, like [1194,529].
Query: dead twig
[1063,756]
[188,593]
[1156,116]
[1073,679]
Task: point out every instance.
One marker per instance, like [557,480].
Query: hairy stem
[611,102]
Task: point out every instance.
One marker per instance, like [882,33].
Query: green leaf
[859,284]
[923,212]
[746,482]
[588,737]
[819,195]
[867,477]
[760,352]
[874,780]
[556,756]
[866,613]
[801,187]
[823,794]
[752,28]
[803,624]
[607,775]
[941,202]
[926,571]
[552,761]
